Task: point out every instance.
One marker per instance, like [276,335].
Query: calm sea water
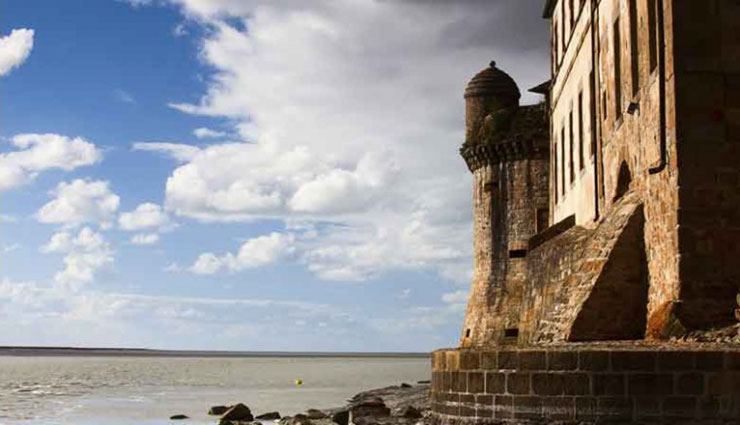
[135,390]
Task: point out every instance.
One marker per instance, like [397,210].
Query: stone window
[652,9]
[511,333]
[517,253]
[591,99]
[562,23]
[572,15]
[555,169]
[571,141]
[542,219]
[581,136]
[634,46]
[617,70]
[562,160]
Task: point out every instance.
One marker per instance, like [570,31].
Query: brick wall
[586,385]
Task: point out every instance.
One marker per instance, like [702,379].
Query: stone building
[609,213]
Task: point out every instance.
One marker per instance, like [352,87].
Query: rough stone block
[467,398]
[593,360]
[615,408]
[495,383]
[577,384]
[609,384]
[503,407]
[650,384]
[647,407]
[633,361]
[548,384]
[676,360]
[483,413]
[559,408]
[507,360]
[476,382]
[732,360]
[709,360]
[679,407]
[585,408]
[452,360]
[459,381]
[562,360]
[527,407]
[708,407]
[532,360]
[517,383]
[489,360]
[484,400]
[690,384]
[469,360]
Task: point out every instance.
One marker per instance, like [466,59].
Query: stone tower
[506,149]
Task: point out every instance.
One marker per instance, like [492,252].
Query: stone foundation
[587,384]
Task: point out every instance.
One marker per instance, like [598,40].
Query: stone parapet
[587,384]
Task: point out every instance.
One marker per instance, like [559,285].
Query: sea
[118,390]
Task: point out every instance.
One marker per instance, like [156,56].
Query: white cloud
[80,201]
[146,216]
[178,151]
[255,252]
[457,297]
[354,113]
[145,239]
[84,255]
[15,49]
[204,133]
[11,247]
[35,153]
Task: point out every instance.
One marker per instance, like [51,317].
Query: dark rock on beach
[268,416]
[237,413]
[217,410]
[316,414]
[341,417]
[178,417]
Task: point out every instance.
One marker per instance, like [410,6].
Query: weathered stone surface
[237,412]
[268,416]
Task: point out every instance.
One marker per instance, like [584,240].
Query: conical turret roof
[493,82]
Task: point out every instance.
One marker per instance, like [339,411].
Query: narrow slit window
[652,9]
[541,219]
[634,46]
[581,136]
[467,333]
[562,160]
[617,70]
[592,100]
[555,169]
[517,253]
[570,148]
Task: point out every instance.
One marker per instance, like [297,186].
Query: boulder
[299,419]
[269,416]
[405,385]
[409,412]
[237,412]
[218,410]
[374,407]
[316,414]
[178,417]
[341,417]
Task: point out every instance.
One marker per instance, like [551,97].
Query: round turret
[493,82]
[491,99]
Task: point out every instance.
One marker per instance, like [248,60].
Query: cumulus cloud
[145,239]
[80,201]
[85,253]
[146,216]
[354,114]
[15,49]
[34,153]
[255,252]
[205,133]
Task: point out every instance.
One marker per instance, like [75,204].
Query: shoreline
[144,352]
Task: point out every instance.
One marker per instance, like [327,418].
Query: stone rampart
[587,384]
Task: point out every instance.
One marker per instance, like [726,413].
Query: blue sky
[223,174]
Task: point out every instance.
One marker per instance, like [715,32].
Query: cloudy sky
[239,174]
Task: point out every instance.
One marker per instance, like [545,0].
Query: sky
[242,174]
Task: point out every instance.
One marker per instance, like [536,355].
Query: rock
[341,417]
[315,414]
[299,419]
[410,412]
[424,382]
[237,412]
[370,407]
[178,417]
[405,385]
[218,410]
[269,416]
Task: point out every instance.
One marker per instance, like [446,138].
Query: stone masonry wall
[585,385]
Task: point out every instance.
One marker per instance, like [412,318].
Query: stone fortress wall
[609,213]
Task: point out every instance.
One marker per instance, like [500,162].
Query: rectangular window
[592,104]
[634,45]
[652,35]
[511,333]
[581,136]
[555,169]
[517,253]
[562,22]
[570,148]
[617,70]
[562,160]
[572,15]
